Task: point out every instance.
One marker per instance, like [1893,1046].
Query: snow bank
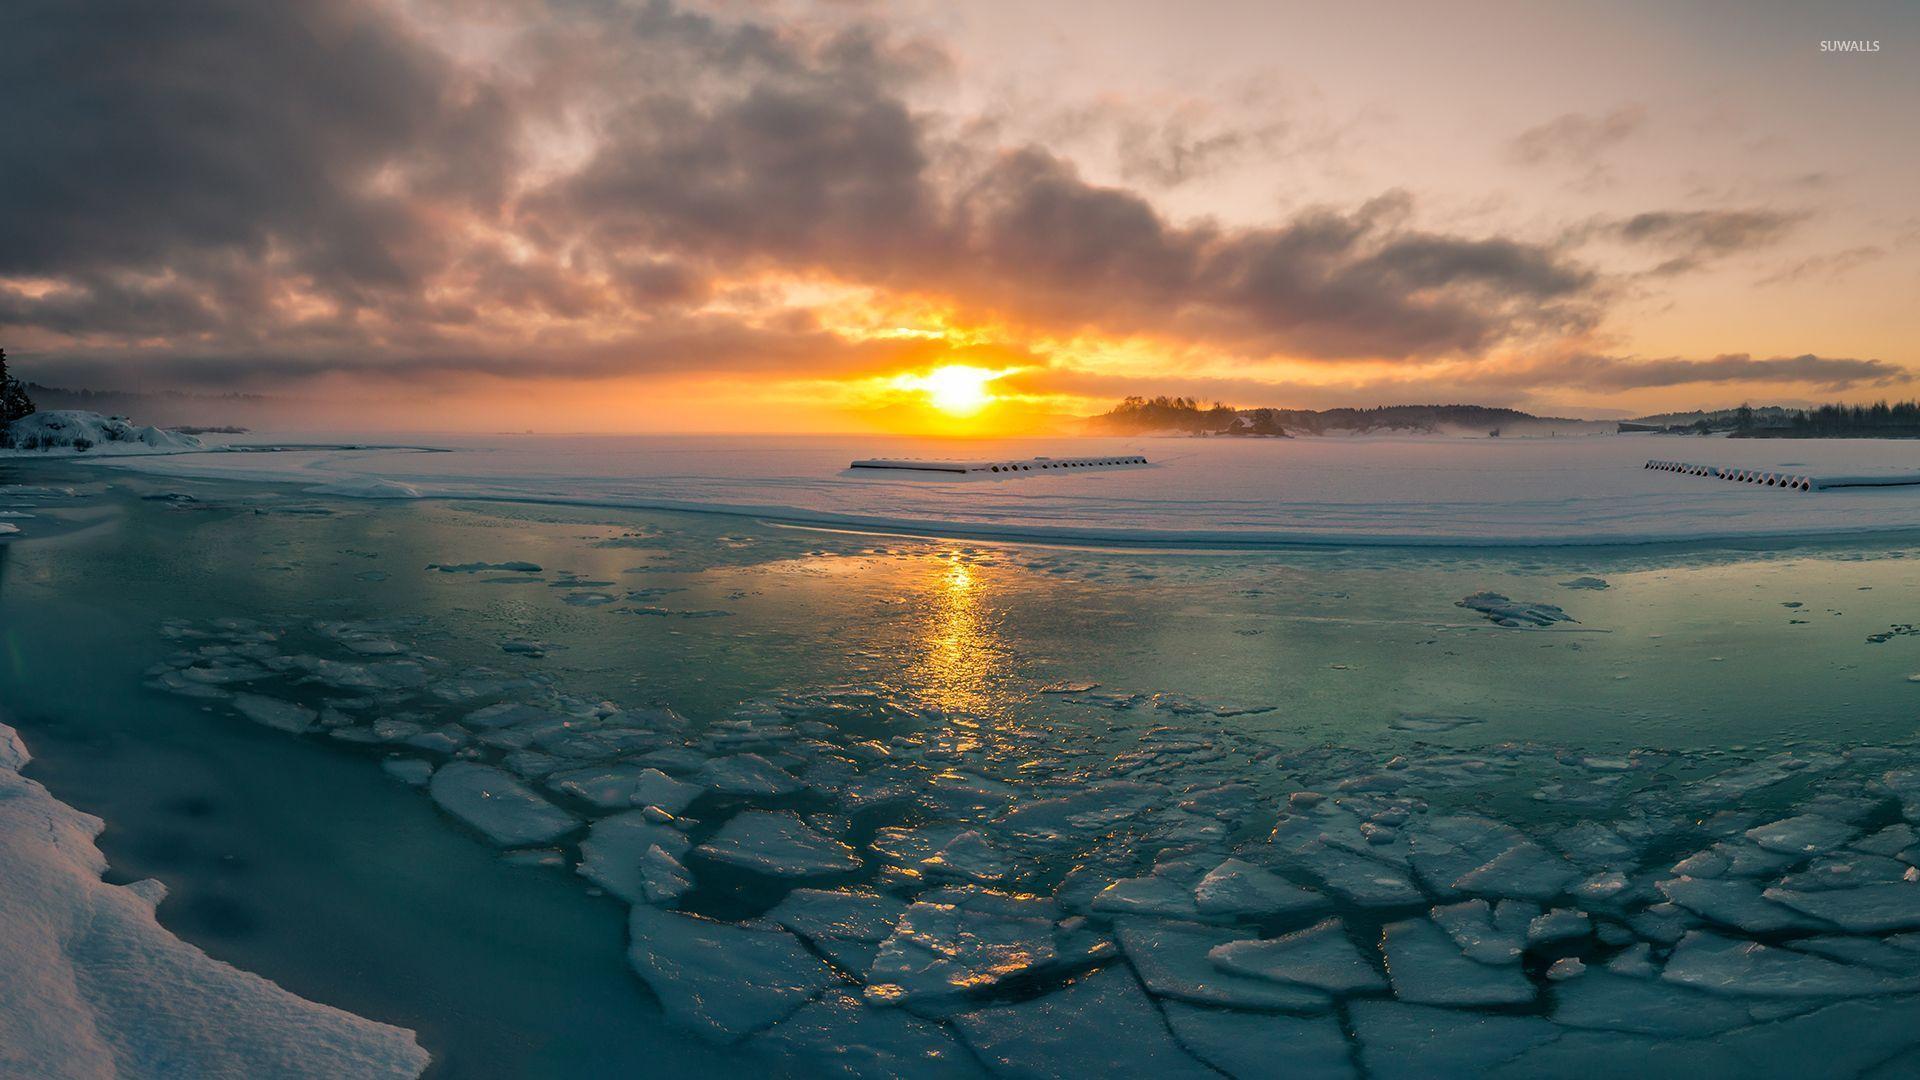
[1363,490]
[76,430]
[92,986]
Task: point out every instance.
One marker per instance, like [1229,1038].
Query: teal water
[1307,669]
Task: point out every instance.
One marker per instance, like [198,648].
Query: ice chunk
[1606,1001]
[1734,902]
[1262,1046]
[1171,959]
[778,843]
[720,980]
[1359,879]
[1090,810]
[1442,849]
[1427,968]
[944,950]
[618,786]
[1481,936]
[1867,909]
[1100,1026]
[747,774]
[969,857]
[1320,956]
[614,854]
[1505,612]
[499,805]
[1413,1042]
[1151,895]
[1241,889]
[847,926]
[1526,870]
[274,713]
[1806,834]
[1708,961]
[1560,924]
[838,1035]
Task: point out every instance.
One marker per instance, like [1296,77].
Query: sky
[965,218]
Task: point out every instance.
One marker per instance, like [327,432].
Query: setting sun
[956,389]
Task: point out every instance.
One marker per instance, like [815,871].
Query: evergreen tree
[14,402]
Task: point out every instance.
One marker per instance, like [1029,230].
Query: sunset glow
[956,389]
[948,229]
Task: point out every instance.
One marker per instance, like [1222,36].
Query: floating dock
[974,468]
[1790,481]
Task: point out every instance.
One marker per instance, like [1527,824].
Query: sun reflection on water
[962,660]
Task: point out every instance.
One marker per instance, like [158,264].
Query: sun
[956,389]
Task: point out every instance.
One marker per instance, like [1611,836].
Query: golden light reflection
[961,657]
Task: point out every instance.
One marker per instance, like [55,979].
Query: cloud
[237,192]
[1611,373]
[1694,238]
[1577,138]
[1831,267]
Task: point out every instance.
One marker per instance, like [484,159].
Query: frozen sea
[531,754]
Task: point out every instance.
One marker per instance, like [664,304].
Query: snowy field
[1388,490]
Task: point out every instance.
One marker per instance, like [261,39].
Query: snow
[722,981]
[78,431]
[91,985]
[1387,489]
[494,802]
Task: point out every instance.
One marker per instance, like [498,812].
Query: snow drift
[91,985]
[77,430]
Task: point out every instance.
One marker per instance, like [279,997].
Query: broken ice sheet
[1321,957]
[945,950]
[778,843]
[720,980]
[1101,1025]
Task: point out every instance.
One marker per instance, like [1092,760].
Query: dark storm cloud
[139,135]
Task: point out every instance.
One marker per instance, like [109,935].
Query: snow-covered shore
[1392,490]
[74,431]
[91,985]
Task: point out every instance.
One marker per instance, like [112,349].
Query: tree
[14,402]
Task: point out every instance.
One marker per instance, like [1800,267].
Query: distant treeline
[1880,420]
[1185,415]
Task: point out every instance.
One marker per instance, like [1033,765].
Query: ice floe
[497,804]
[1321,956]
[777,842]
[722,981]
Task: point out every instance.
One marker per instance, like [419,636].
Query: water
[858,661]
